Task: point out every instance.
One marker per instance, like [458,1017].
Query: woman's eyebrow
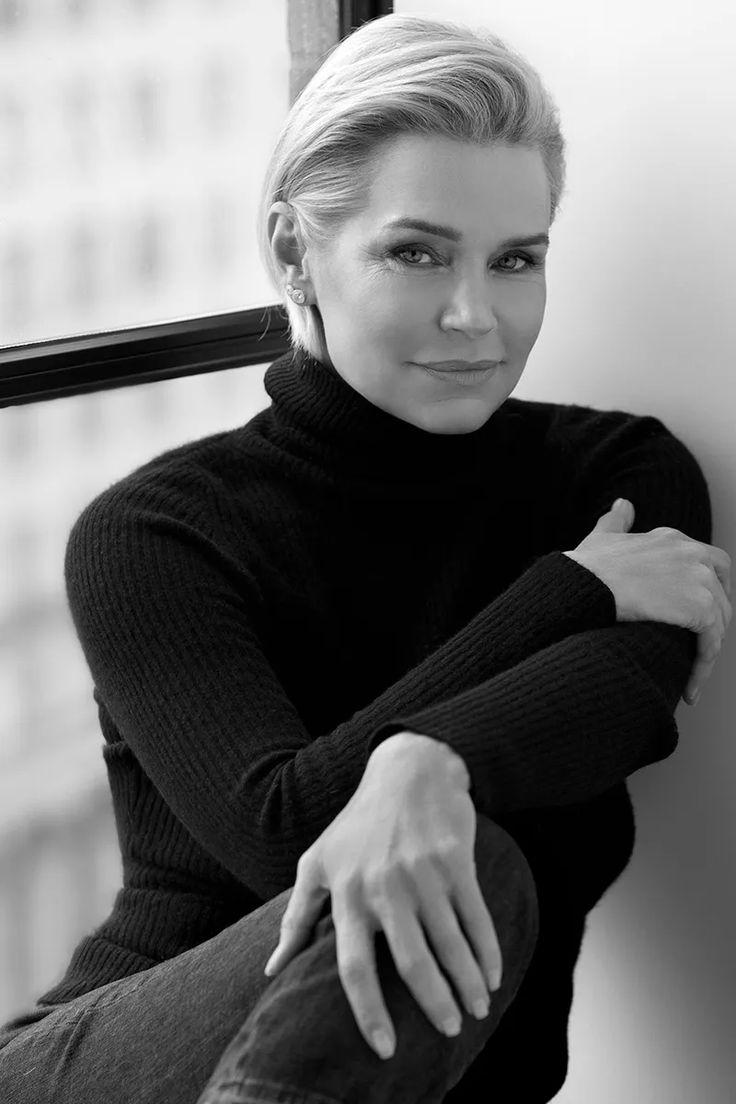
[455,235]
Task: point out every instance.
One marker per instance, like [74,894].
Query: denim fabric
[208,1027]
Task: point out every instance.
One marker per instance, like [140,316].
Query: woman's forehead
[450,183]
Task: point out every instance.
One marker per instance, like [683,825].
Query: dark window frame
[35,371]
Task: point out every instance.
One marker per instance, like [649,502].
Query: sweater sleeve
[168,623]
[580,715]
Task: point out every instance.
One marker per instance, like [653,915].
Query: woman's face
[393,299]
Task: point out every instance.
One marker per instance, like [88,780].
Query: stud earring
[296,294]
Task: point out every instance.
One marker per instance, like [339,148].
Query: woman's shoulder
[194,481]
[577,430]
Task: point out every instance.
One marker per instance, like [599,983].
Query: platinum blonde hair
[399,74]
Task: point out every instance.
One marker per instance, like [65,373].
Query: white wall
[641,316]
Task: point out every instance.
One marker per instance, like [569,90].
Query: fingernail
[494,980]
[268,969]
[451,1026]
[382,1043]
[480,1009]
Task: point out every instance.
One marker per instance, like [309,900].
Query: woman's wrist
[415,747]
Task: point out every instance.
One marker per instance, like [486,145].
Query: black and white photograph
[367,506]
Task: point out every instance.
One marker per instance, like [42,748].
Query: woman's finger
[722,601]
[300,917]
[722,566]
[455,955]
[709,646]
[709,640]
[417,964]
[356,965]
[479,928]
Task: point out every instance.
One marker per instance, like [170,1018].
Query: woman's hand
[400,858]
[663,575]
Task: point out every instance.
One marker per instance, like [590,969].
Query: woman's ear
[285,238]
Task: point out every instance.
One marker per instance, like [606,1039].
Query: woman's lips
[461,365]
[467,377]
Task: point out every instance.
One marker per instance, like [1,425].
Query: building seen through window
[133,135]
[129,135]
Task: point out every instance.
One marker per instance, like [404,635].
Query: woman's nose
[471,311]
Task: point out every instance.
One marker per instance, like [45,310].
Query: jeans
[208,1027]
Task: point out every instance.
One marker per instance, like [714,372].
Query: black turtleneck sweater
[261,607]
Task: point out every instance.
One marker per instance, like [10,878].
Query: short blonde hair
[399,74]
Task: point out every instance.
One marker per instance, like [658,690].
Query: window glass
[59,861]
[133,135]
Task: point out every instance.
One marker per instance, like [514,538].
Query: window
[129,134]
[134,316]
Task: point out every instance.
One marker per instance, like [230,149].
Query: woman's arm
[568,723]
[183,679]
[167,624]
[580,715]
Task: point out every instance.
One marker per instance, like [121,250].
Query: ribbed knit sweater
[261,607]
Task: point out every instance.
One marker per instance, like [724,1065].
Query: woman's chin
[464,416]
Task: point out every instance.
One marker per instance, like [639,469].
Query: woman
[366,666]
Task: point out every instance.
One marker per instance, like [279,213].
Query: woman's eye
[410,249]
[400,252]
[529,262]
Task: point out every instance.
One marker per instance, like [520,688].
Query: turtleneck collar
[320,418]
